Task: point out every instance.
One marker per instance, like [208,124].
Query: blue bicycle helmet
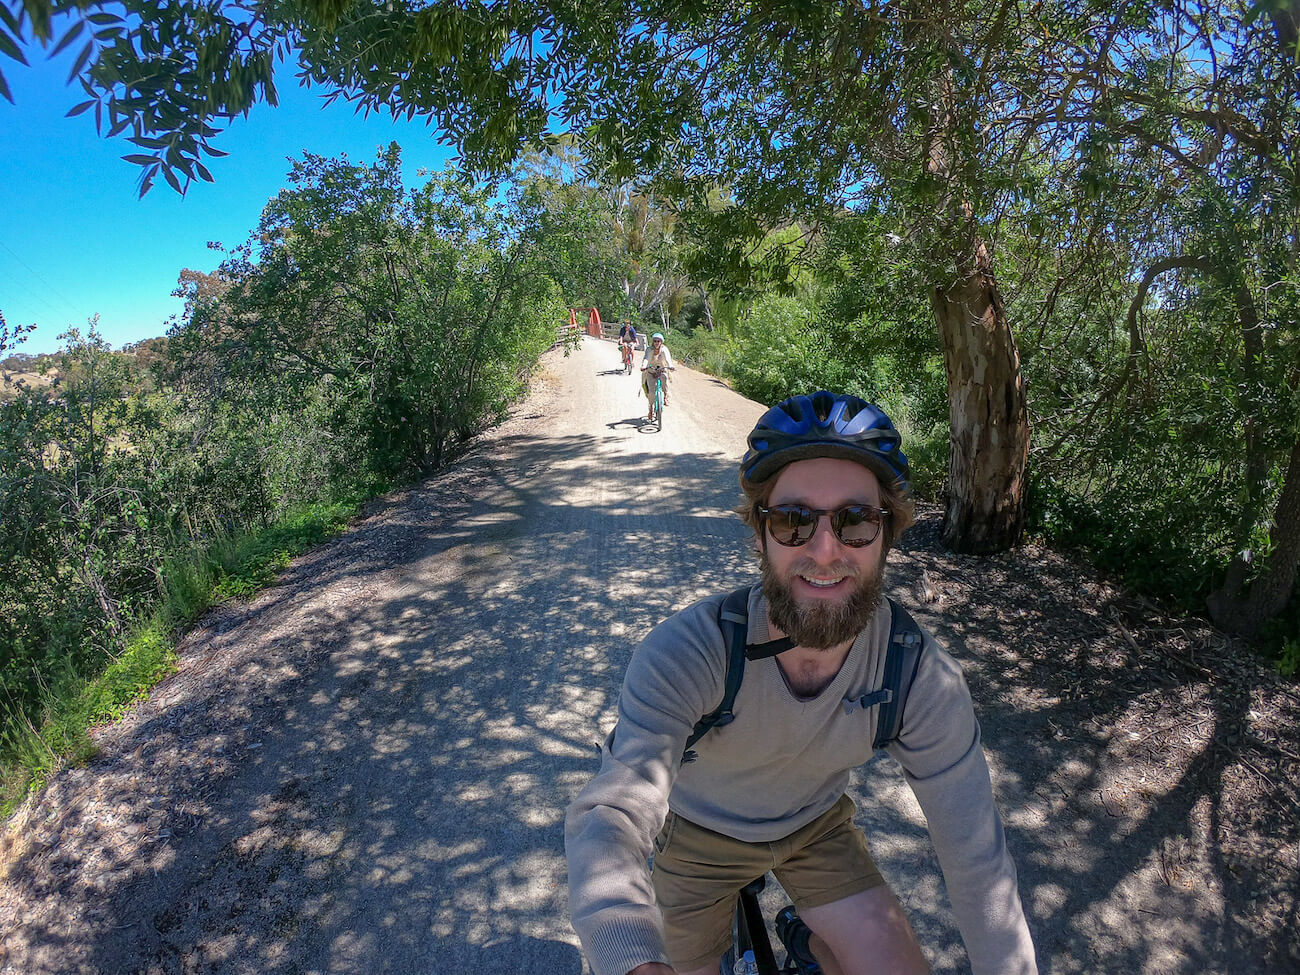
[825,425]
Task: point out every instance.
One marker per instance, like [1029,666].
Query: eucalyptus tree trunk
[1243,612]
[988,421]
[1236,606]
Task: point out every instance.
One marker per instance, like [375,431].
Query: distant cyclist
[657,361]
[826,494]
[626,343]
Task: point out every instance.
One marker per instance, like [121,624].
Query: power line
[54,292]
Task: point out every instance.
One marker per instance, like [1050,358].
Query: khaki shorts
[698,875]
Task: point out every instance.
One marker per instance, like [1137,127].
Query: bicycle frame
[657,396]
[751,929]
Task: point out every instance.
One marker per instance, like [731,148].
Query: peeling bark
[987,413]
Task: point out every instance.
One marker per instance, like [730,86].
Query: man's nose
[824,542]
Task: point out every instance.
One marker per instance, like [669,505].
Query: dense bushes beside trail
[358,340]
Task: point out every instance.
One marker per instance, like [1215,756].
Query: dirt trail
[365,769]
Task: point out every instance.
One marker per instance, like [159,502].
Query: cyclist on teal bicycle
[826,493]
[656,363]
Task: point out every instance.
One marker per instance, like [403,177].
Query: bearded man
[826,493]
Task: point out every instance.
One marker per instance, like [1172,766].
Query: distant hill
[42,371]
[34,371]
[24,362]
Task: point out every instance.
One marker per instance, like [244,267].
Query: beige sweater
[782,763]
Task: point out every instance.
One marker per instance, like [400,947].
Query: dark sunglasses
[855,525]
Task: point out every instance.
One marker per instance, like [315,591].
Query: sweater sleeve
[943,761]
[610,827]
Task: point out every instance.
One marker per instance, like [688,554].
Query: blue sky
[76,241]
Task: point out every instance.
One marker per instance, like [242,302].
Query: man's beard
[821,624]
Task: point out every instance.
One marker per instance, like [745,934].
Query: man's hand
[652,968]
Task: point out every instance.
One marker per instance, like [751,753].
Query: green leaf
[13,24]
[82,58]
[73,33]
[4,89]
[170,176]
[203,171]
[10,48]
[81,107]
[140,159]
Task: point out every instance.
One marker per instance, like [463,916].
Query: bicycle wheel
[659,402]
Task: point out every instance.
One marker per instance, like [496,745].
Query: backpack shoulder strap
[733,620]
[901,661]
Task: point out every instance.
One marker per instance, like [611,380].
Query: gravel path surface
[365,768]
